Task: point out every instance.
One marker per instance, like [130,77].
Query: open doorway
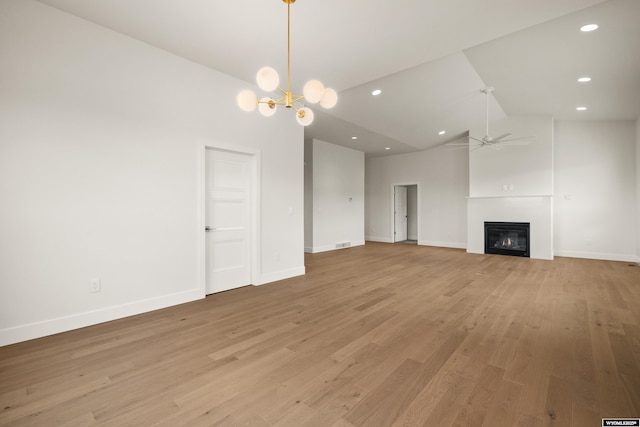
[405,213]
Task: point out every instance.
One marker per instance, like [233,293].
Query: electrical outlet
[94,285]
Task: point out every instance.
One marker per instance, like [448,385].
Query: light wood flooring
[377,335]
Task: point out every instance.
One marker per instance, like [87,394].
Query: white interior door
[400,216]
[228,220]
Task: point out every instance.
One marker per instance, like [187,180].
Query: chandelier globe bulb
[313,91]
[267,79]
[329,98]
[247,100]
[304,116]
[267,107]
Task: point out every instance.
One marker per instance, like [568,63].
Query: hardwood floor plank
[37,406]
[478,402]
[406,382]
[425,402]
[502,410]
[452,403]
[526,420]
[559,408]
[612,397]
[368,410]
[584,416]
[374,335]
[628,370]
[584,380]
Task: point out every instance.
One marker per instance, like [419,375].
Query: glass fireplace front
[506,238]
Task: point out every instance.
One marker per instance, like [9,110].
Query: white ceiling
[430,57]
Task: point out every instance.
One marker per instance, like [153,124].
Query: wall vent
[343,245]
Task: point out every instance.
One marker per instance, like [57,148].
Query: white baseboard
[327,248]
[378,239]
[596,255]
[80,320]
[280,275]
[318,249]
[453,245]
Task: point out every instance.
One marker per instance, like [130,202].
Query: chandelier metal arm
[288,100]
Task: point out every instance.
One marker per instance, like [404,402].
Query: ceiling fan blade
[518,139]
[482,141]
[498,138]
[466,147]
[514,143]
[457,143]
[485,144]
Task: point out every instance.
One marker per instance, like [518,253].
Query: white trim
[393,207]
[327,248]
[511,196]
[378,239]
[453,245]
[596,255]
[201,251]
[81,320]
[255,154]
[281,275]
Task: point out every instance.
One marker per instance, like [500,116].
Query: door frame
[254,210]
[392,210]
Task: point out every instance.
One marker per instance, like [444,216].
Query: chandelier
[268,80]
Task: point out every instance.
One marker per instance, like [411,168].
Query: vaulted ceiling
[430,58]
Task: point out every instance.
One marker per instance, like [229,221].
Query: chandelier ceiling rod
[289,51]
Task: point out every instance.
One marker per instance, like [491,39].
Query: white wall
[101,139]
[514,184]
[338,196]
[442,176]
[595,190]
[526,170]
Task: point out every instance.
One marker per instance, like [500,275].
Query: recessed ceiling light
[387,148]
[442,132]
[376,92]
[354,137]
[584,79]
[588,27]
[581,108]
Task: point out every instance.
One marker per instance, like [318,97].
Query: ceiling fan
[488,140]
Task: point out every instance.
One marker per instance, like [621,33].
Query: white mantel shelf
[509,197]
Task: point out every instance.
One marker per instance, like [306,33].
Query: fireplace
[506,238]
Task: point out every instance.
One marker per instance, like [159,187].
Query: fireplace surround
[506,238]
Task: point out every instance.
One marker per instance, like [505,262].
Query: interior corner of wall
[280,275]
